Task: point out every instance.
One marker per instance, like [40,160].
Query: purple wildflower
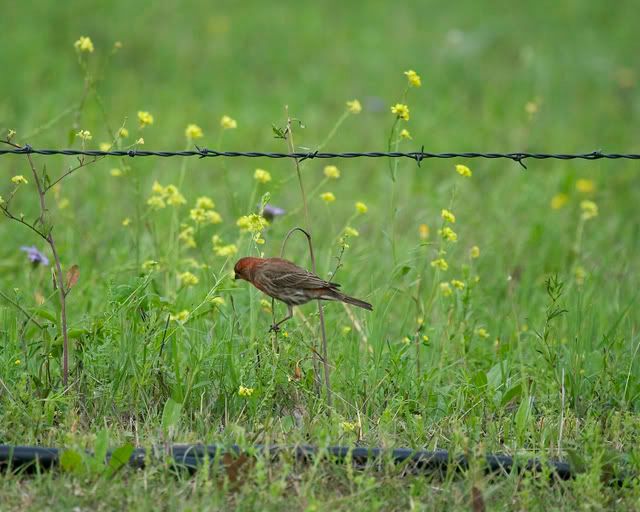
[35,256]
[270,211]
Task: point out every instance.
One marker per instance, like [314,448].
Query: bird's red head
[244,268]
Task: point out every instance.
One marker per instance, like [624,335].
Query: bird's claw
[274,328]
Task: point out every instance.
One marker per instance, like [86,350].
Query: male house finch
[289,283]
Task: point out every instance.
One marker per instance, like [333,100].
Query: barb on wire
[418,156]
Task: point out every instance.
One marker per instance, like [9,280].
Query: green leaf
[77,333]
[511,393]
[170,414]
[46,314]
[71,461]
[102,444]
[523,414]
[120,457]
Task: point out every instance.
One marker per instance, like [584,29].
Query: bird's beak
[236,277]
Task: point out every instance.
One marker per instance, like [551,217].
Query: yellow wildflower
[225,251]
[63,203]
[156,188]
[156,202]
[228,123]
[361,207]
[354,106]
[328,197]
[174,197]
[217,301]
[180,317]
[580,274]
[17,362]
[140,141]
[115,172]
[482,332]
[349,426]
[105,146]
[345,330]
[123,132]
[404,134]
[84,135]
[448,234]
[332,172]
[440,263]
[589,209]
[445,289]
[531,108]
[246,392]
[413,78]
[423,230]
[19,179]
[212,217]
[253,223]
[349,231]
[205,203]
[126,221]
[262,176]
[456,283]
[145,118]
[197,215]
[585,186]
[559,200]
[448,216]
[463,170]
[84,44]
[425,338]
[401,110]
[188,279]
[186,236]
[265,305]
[193,131]
[149,265]
[474,252]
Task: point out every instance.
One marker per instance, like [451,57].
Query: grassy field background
[486,368]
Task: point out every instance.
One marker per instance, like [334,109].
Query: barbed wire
[417,156]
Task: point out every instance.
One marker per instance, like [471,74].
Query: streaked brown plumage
[289,283]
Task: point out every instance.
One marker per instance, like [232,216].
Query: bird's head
[244,268]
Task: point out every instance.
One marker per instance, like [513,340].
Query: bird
[287,282]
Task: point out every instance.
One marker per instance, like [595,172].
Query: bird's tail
[353,301]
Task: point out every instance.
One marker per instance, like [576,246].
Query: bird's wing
[296,277]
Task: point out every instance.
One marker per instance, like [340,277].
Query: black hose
[191,457]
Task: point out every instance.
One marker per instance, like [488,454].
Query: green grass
[147,383]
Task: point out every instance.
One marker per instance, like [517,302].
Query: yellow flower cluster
[244,391]
[589,209]
[448,234]
[401,111]
[349,231]
[423,231]
[19,179]
[253,224]
[349,426]
[440,263]
[559,200]
[474,252]
[585,186]
[354,107]
[463,170]
[448,216]
[262,176]
[328,197]
[227,123]
[84,135]
[332,172]
[413,78]
[404,134]
[104,146]
[361,207]
[84,44]
[445,289]
[456,283]
[202,216]
[149,265]
[123,132]
[188,279]
[186,235]
[144,118]
[482,332]
[162,196]
[180,317]
[206,203]
[193,131]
